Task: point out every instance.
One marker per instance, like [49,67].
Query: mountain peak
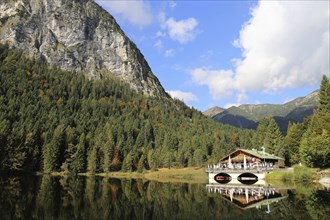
[76,36]
[247,115]
[213,111]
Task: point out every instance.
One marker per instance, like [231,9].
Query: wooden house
[250,159]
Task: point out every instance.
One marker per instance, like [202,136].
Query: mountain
[54,120]
[213,111]
[76,95]
[247,116]
[76,35]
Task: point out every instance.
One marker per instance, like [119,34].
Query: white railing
[211,170]
[220,167]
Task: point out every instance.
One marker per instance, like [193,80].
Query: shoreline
[187,174]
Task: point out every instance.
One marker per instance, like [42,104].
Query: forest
[57,121]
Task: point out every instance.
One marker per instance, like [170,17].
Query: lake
[46,197]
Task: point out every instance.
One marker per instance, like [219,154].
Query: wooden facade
[249,159]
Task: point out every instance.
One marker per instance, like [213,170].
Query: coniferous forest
[53,120]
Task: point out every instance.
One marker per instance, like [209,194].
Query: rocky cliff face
[76,35]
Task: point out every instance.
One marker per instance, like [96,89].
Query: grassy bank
[299,174]
[188,174]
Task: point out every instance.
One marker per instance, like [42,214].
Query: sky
[227,53]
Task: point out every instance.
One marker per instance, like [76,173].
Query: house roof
[256,153]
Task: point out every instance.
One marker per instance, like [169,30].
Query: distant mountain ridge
[76,35]
[213,111]
[248,116]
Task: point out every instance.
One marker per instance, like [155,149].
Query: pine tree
[324,95]
[127,163]
[142,163]
[107,149]
[315,145]
[92,161]
[291,143]
[273,138]
[53,149]
[78,159]
[262,130]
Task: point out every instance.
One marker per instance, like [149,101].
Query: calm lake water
[31,197]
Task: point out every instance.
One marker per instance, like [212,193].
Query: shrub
[303,174]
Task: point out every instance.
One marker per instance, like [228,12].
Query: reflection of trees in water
[103,198]
[15,198]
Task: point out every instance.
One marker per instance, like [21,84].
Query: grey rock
[76,35]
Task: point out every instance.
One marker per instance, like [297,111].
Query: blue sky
[225,53]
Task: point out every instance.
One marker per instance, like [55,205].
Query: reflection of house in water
[248,196]
[243,161]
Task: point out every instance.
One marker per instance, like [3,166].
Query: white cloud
[137,12]
[183,30]
[240,98]
[219,82]
[169,53]
[158,44]
[228,105]
[172,4]
[160,34]
[284,45]
[184,96]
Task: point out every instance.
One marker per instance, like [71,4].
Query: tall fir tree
[315,145]
[324,96]
[52,152]
[291,143]
[262,131]
[273,138]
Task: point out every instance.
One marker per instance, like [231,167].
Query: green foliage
[53,149]
[315,144]
[303,174]
[127,163]
[324,95]
[291,143]
[52,120]
[268,134]
[287,177]
[273,138]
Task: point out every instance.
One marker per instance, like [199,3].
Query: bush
[287,177]
[303,174]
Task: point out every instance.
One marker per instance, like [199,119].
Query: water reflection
[249,196]
[30,197]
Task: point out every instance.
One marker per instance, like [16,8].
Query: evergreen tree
[78,158]
[52,119]
[127,163]
[92,161]
[262,131]
[142,163]
[273,138]
[324,96]
[291,143]
[315,145]
[52,151]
